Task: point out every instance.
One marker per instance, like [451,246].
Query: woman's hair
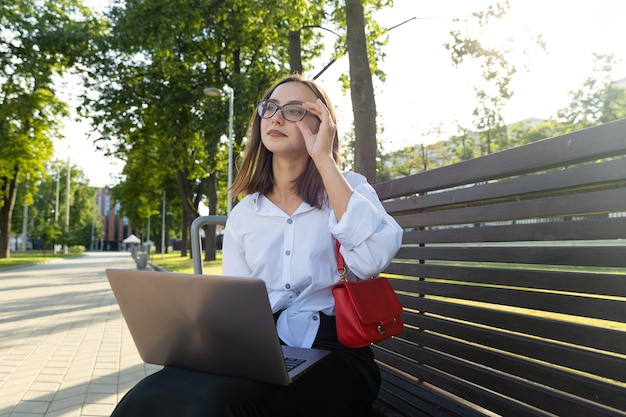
[256,173]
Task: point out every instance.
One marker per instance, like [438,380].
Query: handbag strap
[341,265]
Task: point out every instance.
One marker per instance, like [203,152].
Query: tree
[497,67]
[363,42]
[361,91]
[150,77]
[598,100]
[46,214]
[530,131]
[37,42]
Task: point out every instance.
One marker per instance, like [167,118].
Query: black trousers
[342,385]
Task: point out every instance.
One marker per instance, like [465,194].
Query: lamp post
[216,92]
[163,228]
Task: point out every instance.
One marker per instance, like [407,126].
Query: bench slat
[595,202]
[497,391]
[576,305]
[589,256]
[576,178]
[601,141]
[580,282]
[544,350]
[592,336]
[401,394]
[520,370]
[590,229]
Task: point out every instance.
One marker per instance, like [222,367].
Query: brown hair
[256,174]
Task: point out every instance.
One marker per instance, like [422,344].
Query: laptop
[207,323]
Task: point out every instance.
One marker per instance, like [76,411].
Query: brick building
[115,227]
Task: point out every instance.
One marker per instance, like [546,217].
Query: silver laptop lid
[215,324]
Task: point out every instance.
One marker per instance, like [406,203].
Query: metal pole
[67,195]
[25,218]
[231,101]
[67,201]
[215,92]
[163,228]
[56,204]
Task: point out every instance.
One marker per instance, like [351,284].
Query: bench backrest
[512,274]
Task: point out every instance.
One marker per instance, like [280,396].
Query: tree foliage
[598,100]
[39,41]
[497,65]
[150,76]
[47,208]
[364,42]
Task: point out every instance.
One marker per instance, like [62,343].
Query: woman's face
[283,136]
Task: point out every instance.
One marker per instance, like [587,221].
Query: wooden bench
[512,274]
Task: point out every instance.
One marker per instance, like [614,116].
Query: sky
[423,90]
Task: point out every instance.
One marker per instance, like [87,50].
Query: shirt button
[287,286]
[287,252]
[315,318]
[289,221]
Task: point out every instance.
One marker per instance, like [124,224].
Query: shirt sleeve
[369,236]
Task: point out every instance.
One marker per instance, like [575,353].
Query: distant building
[115,228]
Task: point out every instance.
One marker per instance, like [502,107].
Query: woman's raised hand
[320,143]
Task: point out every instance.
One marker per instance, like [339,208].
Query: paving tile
[65,350]
[32,407]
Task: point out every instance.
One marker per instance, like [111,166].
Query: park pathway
[65,350]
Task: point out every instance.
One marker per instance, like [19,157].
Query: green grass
[173,262]
[25,258]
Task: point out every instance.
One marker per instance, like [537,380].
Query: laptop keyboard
[291,363]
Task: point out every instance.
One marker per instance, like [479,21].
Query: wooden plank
[547,351]
[501,393]
[594,337]
[591,229]
[577,305]
[592,389]
[448,382]
[585,176]
[418,400]
[589,256]
[579,282]
[589,144]
[605,201]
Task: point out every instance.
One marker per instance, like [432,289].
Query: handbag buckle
[381,328]
[343,274]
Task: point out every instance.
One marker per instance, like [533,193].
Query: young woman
[296,204]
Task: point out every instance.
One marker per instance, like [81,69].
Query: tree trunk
[9,195]
[361,91]
[210,245]
[295,52]
[190,211]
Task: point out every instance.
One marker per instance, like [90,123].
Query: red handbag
[366,311]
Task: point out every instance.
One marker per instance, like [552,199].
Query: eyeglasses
[293,112]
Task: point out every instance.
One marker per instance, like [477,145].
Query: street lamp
[216,92]
[163,228]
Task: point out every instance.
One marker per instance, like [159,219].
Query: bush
[77,249]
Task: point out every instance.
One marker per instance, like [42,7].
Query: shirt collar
[262,205]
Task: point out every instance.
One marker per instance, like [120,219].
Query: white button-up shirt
[295,255]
